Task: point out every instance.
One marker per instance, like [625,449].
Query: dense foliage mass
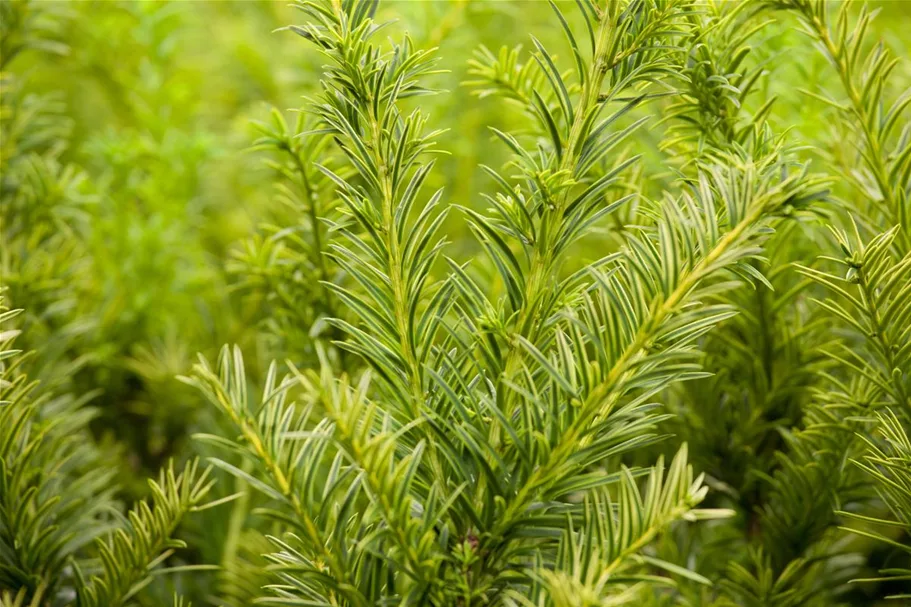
[621,316]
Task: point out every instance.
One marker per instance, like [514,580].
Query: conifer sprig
[392,251]
[863,69]
[655,275]
[131,554]
[888,463]
[55,497]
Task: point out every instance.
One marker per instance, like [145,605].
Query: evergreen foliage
[655,350]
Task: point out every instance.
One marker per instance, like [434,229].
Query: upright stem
[399,295]
[881,340]
[395,261]
[330,561]
[319,254]
[606,57]
[313,216]
[602,399]
[874,157]
[542,260]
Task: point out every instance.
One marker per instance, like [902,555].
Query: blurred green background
[150,112]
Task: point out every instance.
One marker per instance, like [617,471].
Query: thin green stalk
[396,278]
[348,438]
[313,216]
[310,196]
[528,325]
[875,155]
[399,297]
[237,519]
[879,336]
[330,559]
[603,398]
[542,260]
